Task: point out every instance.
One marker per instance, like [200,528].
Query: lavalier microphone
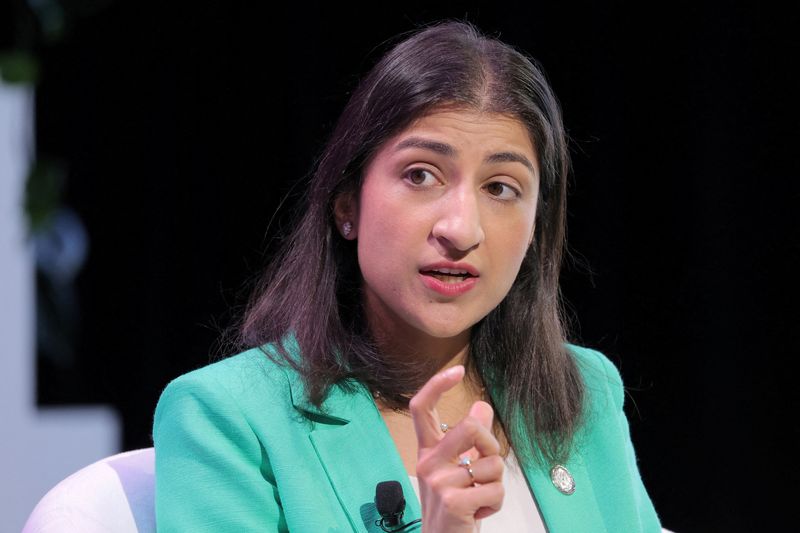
[391,505]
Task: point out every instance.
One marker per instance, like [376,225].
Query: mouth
[447,275]
[450,280]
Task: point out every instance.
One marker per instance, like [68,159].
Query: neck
[405,346]
[433,355]
[430,354]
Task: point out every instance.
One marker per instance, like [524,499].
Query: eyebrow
[448,151]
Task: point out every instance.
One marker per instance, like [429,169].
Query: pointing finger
[423,405]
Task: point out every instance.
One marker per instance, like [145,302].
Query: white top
[519,511]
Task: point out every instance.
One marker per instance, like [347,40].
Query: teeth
[451,271]
[448,278]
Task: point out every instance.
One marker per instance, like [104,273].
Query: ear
[345,212]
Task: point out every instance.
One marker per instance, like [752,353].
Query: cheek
[383,239]
[513,262]
[511,242]
[376,228]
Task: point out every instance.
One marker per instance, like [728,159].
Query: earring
[347,227]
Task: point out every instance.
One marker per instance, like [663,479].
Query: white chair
[115,494]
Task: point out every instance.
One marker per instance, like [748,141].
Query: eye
[502,191]
[420,176]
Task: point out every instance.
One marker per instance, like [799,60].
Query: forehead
[474,129]
[465,134]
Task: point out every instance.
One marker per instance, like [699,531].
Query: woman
[410,330]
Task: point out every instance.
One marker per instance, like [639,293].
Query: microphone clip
[382,524]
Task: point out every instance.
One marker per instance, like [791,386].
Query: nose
[458,224]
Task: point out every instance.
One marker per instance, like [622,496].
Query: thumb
[483,412]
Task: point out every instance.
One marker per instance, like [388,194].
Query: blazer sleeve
[212,473]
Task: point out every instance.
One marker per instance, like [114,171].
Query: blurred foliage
[19,67]
[43,192]
[35,23]
[27,28]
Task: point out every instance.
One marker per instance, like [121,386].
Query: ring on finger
[466,463]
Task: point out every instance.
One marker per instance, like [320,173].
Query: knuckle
[499,493]
[495,497]
[471,427]
[496,465]
[449,500]
[424,468]
[414,404]
[493,446]
[437,481]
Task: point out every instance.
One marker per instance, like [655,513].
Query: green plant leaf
[19,67]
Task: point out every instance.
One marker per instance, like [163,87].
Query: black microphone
[390,502]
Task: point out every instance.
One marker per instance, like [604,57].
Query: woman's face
[443,220]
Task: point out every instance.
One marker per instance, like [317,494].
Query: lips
[449,279]
[448,269]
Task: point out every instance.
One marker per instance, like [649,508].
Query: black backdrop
[182,128]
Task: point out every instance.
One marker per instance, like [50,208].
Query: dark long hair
[312,289]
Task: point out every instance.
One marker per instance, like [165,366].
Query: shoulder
[250,366]
[605,446]
[231,384]
[601,377]
[210,432]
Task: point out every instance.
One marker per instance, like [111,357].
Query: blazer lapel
[561,512]
[356,452]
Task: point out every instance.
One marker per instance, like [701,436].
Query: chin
[441,328]
[445,333]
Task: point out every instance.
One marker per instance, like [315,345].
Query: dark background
[182,128]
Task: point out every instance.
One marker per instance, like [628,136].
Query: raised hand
[452,498]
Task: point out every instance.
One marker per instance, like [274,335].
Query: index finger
[423,405]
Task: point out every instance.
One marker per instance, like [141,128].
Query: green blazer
[240,449]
